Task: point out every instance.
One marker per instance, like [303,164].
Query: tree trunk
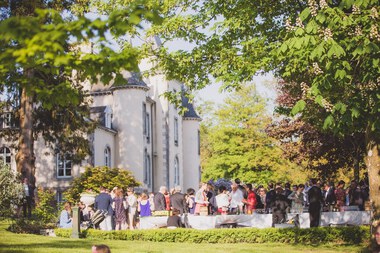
[373,165]
[25,155]
[356,167]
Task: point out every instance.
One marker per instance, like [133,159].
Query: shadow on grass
[44,246]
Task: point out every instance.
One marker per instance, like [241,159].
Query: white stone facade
[139,130]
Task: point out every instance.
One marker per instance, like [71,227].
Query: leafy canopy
[236,144]
[94,177]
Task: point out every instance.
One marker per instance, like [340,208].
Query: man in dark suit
[329,195]
[159,199]
[178,201]
[103,202]
[315,203]
[270,196]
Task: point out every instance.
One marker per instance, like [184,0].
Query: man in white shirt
[237,197]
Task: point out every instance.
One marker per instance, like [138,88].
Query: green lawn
[10,242]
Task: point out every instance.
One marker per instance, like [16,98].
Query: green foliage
[335,64]
[29,226]
[11,191]
[321,235]
[235,143]
[46,51]
[46,210]
[94,177]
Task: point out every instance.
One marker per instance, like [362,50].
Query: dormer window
[108,117]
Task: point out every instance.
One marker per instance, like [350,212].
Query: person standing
[329,196]
[237,198]
[270,196]
[340,194]
[120,205]
[315,202]
[201,199]
[28,201]
[190,200]
[279,206]
[222,200]
[144,206]
[178,200]
[251,199]
[159,199]
[103,202]
[132,207]
[297,199]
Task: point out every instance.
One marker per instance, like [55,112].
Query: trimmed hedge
[320,235]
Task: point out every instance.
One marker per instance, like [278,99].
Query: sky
[267,91]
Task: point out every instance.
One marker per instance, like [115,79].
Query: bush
[46,210]
[321,235]
[11,191]
[94,177]
[29,226]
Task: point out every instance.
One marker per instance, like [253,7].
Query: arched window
[176,171]
[107,156]
[5,155]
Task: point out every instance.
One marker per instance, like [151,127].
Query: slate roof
[190,113]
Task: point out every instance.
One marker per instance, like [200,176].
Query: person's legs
[314,212]
[131,217]
[108,222]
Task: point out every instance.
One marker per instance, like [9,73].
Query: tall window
[107,157]
[144,119]
[199,142]
[176,171]
[147,123]
[147,169]
[108,117]
[64,166]
[5,155]
[176,131]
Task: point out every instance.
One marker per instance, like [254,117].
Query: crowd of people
[122,211]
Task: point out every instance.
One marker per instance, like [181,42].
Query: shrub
[46,209]
[11,191]
[321,235]
[94,177]
[29,226]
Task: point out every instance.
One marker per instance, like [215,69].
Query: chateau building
[138,130]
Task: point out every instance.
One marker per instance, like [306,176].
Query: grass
[12,243]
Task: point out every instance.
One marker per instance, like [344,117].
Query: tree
[237,145]
[332,52]
[330,48]
[92,178]
[316,149]
[42,67]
